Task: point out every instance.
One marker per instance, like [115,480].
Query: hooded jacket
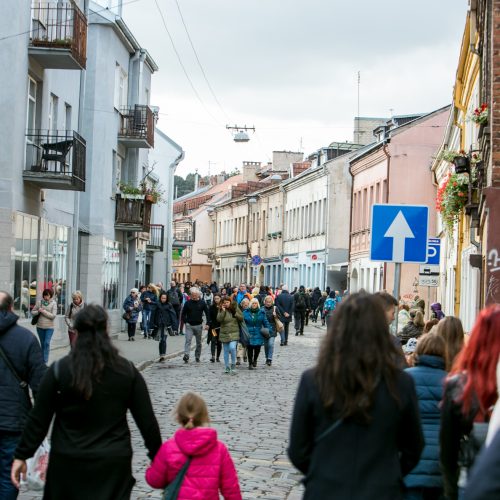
[24,352]
[211,469]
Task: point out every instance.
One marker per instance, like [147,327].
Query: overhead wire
[182,64]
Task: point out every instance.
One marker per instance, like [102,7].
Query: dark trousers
[8,444]
[286,324]
[253,353]
[163,339]
[177,310]
[131,329]
[300,318]
[215,345]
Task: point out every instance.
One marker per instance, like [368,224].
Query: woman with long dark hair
[356,427]
[89,392]
[164,319]
[452,331]
[469,396]
[213,336]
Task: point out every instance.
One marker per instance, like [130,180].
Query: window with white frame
[121,88]
[53,108]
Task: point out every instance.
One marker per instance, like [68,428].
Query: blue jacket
[128,306]
[24,352]
[148,306]
[254,323]
[429,376]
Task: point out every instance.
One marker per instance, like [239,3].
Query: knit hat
[410,346]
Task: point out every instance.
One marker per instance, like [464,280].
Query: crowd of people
[238,320]
[371,420]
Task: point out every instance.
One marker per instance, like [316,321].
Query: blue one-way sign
[399,233]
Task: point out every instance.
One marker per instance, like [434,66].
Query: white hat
[134,290]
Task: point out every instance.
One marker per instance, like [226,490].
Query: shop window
[111,274]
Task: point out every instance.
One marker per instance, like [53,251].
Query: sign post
[399,235]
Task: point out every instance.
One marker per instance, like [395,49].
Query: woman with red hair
[469,395]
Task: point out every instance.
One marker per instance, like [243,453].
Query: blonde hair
[154,289]
[77,295]
[254,301]
[191,411]
[269,297]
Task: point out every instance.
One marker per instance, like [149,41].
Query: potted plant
[152,194]
[130,192]
[452,196]
[458,158]
[480,115]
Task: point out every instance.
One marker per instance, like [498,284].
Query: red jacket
[211,468]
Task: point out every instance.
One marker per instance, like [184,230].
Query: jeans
[8,444]
[146,319]
[191,330]
[230,347]
[423,494]
[163,340]
[45,334]
[300,318]
[253,353]
[269,347]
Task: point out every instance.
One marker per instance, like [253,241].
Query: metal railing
[132,214]
[62,26]
[156,237]
[137,122]
[56,152]
[184,231]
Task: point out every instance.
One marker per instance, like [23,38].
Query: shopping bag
[37,467]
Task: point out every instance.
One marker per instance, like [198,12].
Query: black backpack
[300,302]
[173,297]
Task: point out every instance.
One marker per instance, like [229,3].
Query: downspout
[282,267]
[350,227]
[388,173]
[326,218]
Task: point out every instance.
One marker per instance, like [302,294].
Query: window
[377,193]
[53,105]
[110,274]
[67,125]
[121,87]
[31,118]
[117,172]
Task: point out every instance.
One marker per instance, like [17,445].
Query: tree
[183,186]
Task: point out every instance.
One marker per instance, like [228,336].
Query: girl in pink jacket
[211,468]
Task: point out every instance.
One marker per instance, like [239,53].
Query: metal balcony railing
[55,157]
[156,237]
[59,26]
[132,214]
[137,126]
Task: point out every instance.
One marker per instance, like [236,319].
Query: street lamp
[240,133]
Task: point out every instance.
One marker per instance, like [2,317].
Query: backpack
[300,303]
[173,297]
[329,304]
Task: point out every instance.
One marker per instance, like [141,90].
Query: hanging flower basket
[452,196]
[461,164]
[480,115]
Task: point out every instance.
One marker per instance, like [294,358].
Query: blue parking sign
[433,251]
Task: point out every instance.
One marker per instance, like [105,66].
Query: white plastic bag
[37,467]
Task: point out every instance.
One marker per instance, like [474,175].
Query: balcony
[58,38]
[133,213]
[55,160]
[137,127]
[156,238]
[184,233]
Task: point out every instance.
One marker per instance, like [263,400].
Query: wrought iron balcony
[184,233]
[133,213]
[137,127]
[58,38]
[55,159]
[156,238]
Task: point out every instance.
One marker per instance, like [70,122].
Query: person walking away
[284,303]
[132,306]
[89,393]
[437,313]
[164,319]
[229,319]
[210,468]
[24,354]
[271,315]
[329,307]
[255,319]
[192,316]
[175,300]
[300,307]
[355,433]
[149,301]
[425,480]
[414,328]
[213,335]
[321,307]
[46,310]
[315,296]
[241,350]
[469,395]
[77,304]
[452,331]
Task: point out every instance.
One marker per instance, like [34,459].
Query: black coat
[356,461]
[23,350]
[284,304]
[164,315]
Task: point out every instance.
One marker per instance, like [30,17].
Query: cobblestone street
[250,410]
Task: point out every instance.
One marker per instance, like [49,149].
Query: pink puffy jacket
[211,468]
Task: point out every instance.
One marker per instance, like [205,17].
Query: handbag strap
[172,490]
[328,430]
[23,384]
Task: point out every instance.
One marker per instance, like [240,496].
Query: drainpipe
[282,267]
[325,223]
[388,173]
[350,227]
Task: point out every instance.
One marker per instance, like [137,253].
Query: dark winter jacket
[229,325]
[175,297]
[454,426]
[410,331]
[271,319]
[301,301]
[192,312]
[284,303]
[356,461]
[255,320]
[24,352]
[315,296]
[164,315]
[133,306]
[148,306]
[429,375]
[213,311]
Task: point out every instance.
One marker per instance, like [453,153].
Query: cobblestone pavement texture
[250,410]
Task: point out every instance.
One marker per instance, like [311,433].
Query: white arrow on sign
[399,230]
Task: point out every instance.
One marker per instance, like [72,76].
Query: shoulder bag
[172,490]
[279,325]
[34,319]
[22,383]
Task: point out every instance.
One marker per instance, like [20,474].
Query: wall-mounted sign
[256,260]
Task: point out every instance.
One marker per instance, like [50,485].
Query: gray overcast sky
[290,68]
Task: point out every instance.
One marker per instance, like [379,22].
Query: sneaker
[250,367]
[133,339]
[162,359]
[282,344]
[197,360]
[268,362]
[286,343]
[185,358]
[296,334]
[218,360]
[227,370]
[212,360]
[302,333]
[255,364]
[233,367]
[130,339]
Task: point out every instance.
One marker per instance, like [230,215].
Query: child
[211,468]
